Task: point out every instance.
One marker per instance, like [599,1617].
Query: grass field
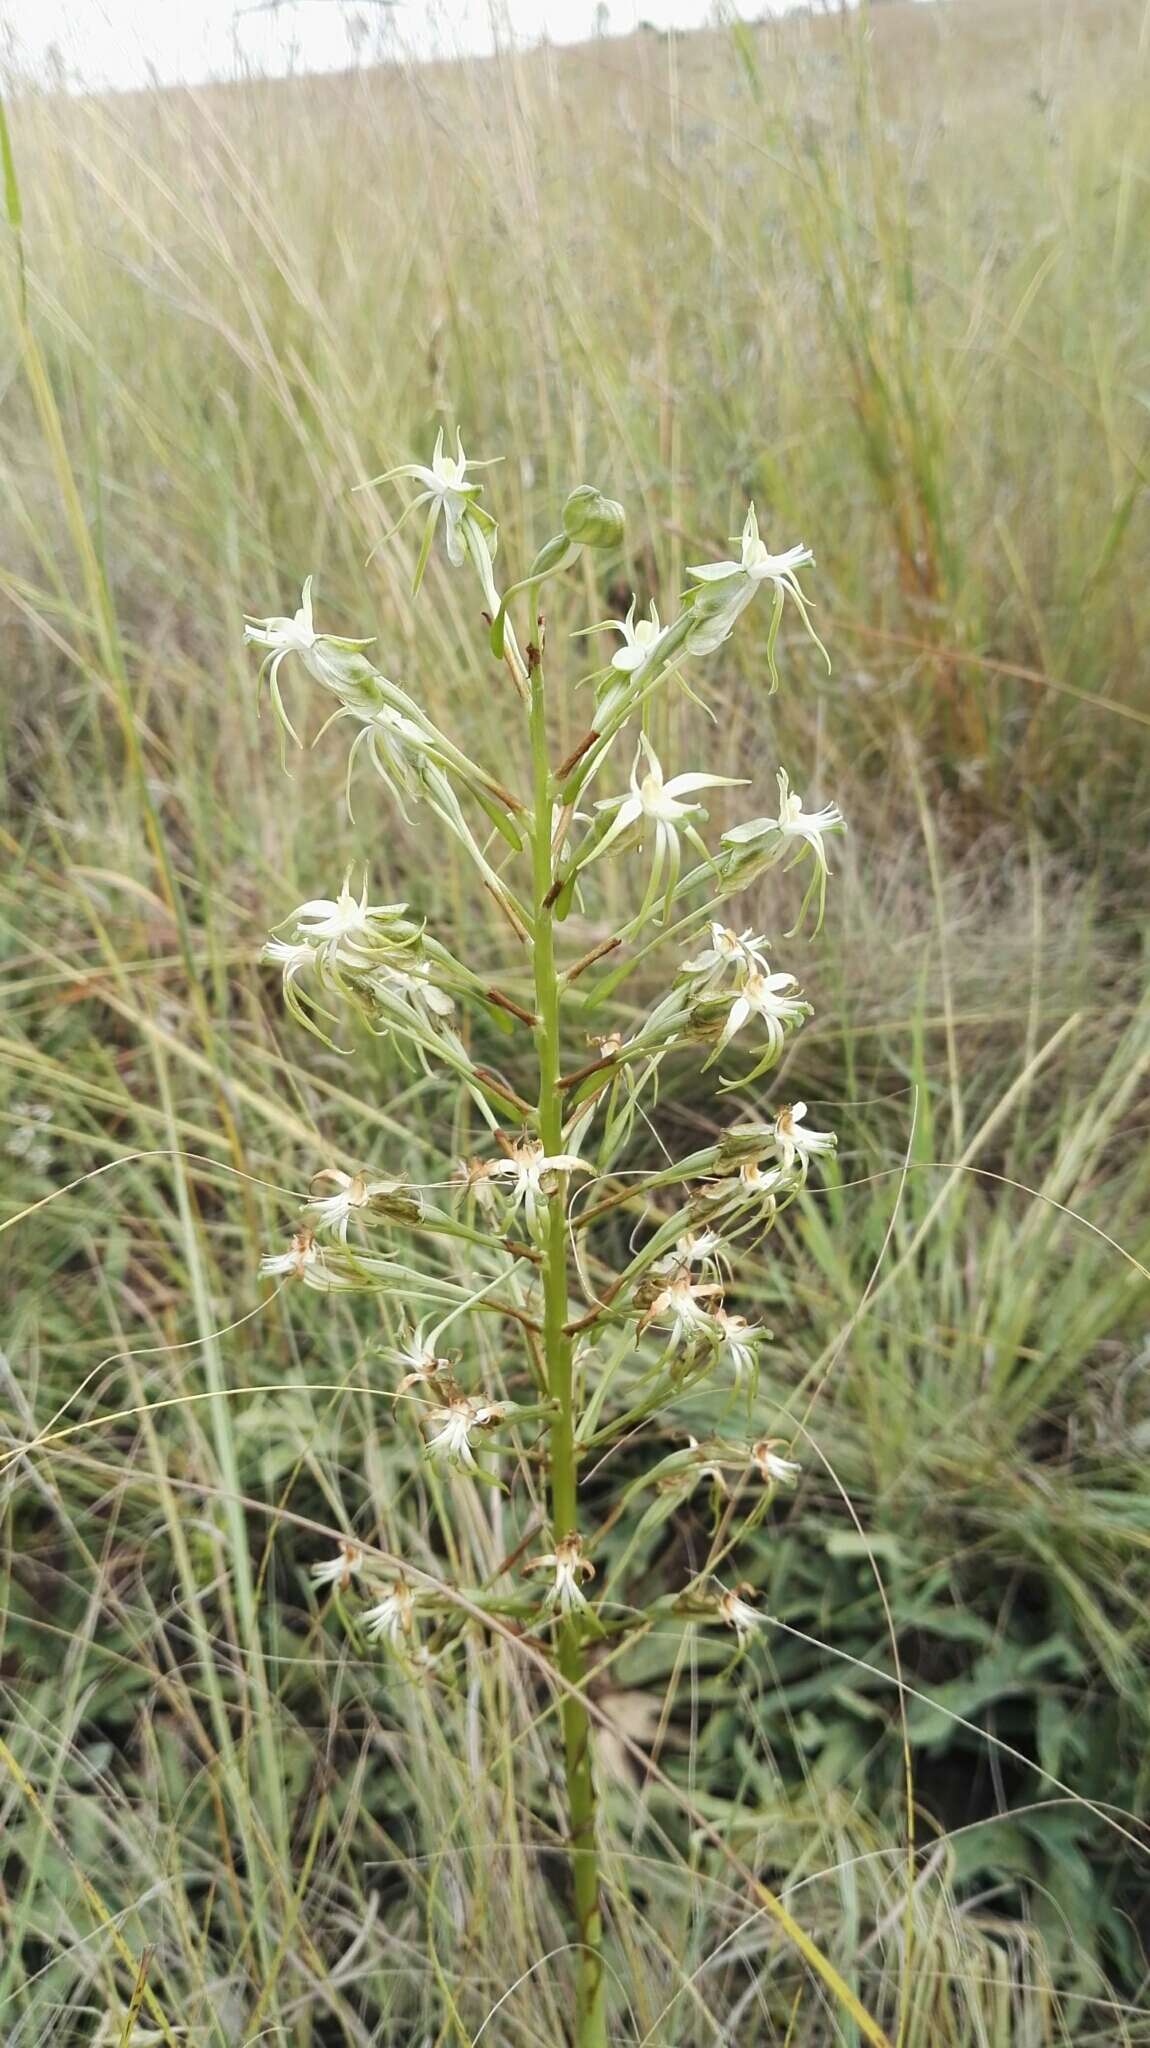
[889,280]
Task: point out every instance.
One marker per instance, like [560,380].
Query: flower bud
[557,553]
[592,519]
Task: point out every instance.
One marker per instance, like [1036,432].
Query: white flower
[795,823]
[762,1182]
[282,636]
[755,561]
[340,936]
[290,956]
[343,945]
[683,1305]
[324,655]
[694,1248]
[762,996]
[700,1247]
[446,491]
[340,925]
[339,1570]
[333,1212]
[655,810]
[753,1184]
[301,1257]
[771,1469]
[640,639]
[806,830]
[421,1360]
[725,589]
[739,1614]
[535,1178]
[739,1342]
[305,1260]
[570,1567]
[392,1617]
[449,490]
[797,1146]
[741,952]
[412,986]
[809,829]
[653,799]
[354,1191]
[454,1424]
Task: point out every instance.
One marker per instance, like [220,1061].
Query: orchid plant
[533,1214]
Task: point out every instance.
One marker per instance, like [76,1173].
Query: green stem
[590,2023]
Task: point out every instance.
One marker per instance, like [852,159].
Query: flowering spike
[524,1235]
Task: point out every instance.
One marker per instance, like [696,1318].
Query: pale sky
[124,42]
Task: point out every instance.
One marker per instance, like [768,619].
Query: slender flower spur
[723,591]
[570,1568]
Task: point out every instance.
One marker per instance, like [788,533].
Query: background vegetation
[892,283]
